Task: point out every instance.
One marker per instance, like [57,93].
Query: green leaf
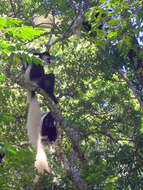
[2,77]
[114,22]
[112,34]
[9,22]
[25,32]
[6,116]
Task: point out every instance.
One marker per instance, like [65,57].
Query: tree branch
[62,37]
[131,86]
[44,34]
[70,169]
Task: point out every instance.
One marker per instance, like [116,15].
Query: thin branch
[10,87]
[44,23]
[23,143]
[62,37]
[13,7]
[131,86]
[67,34]
[44,34]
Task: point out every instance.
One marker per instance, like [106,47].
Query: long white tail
[33,121]
[41,162]
[34,130]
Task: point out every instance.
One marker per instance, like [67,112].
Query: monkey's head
[45,56]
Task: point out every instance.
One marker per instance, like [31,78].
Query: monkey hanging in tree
[40,128]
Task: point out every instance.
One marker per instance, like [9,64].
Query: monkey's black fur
[49,128]
[44,56]
[36,72]
[46,82]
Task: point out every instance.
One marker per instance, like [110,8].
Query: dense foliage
[99,85]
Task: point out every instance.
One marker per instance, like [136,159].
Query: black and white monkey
[40,128]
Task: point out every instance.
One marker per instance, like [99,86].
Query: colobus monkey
[38,125]
[44,56]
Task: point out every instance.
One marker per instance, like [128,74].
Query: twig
[10,87]
[44,34]
[13,7]
[23,143]
[62,37]
[67,34]
[44,23]
[131,86]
